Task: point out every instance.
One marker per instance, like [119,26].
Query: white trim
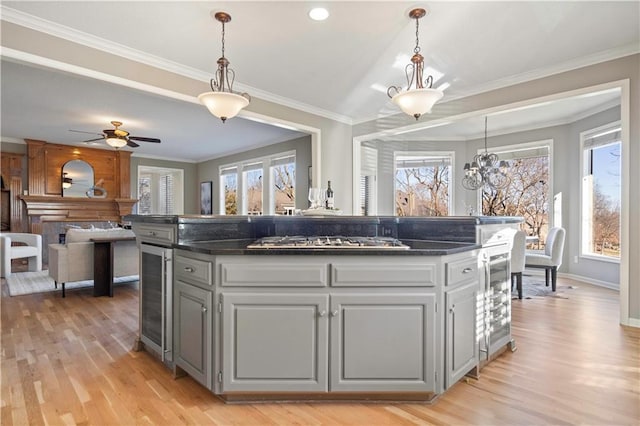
[178,192]
[625,237]
[595,58]
[58,30]
[451,186]
[8,139]
[598,283]
[21,56]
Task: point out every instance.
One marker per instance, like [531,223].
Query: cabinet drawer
[193,270]
[462,271]
[383,275]
[158,234]
[273,275]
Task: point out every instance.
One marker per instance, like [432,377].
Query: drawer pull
[152,233]
[189,269]
[467,270]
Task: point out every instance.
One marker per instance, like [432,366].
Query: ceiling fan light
[223,105]
[417,101]
[116,142]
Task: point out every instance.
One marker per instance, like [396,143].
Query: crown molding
[67,33]
[8,139]
[573,64]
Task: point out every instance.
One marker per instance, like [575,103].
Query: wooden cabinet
[193,325]
[274,342]
[336,324]
[461,346]
[383,342]
[193,331]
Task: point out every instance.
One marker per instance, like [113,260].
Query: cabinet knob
[322,313]
[334,313]
[452,309]
[188,269]
[152,233]
[204,309]
[467,270]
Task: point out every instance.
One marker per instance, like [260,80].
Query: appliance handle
[163,308]
[487,313]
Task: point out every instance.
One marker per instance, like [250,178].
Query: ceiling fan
[117,137]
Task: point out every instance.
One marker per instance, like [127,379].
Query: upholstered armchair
[32,250]
[551,258]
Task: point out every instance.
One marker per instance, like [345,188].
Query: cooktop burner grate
[330,242]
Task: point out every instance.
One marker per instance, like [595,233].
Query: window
[266,185]
[283,178]
[601,196]
[160,190]
[527,194]
[252,177]
[422,184]
[229,190]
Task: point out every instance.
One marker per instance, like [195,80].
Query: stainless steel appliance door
[156,299]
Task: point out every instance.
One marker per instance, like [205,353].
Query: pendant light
[222,101]
[416,99]
[486,170]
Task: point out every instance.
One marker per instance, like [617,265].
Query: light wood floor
[68,361]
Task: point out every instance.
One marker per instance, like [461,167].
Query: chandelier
[222,101]
[486,170]
[416,99]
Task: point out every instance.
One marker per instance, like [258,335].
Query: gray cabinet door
[193,331]
[383,342]
[274,342]
[461,342]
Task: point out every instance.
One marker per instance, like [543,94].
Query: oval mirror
[77,178]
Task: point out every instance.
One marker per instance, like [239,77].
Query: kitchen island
[320,322]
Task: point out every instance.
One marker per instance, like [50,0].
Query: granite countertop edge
[239,247]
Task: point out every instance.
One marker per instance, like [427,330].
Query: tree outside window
[602,195]
[422,185]
[527,194]
[253,181]
[284,194]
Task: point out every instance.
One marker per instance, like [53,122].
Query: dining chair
[517,260]
[551,258]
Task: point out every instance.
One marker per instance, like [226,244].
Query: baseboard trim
[605,284]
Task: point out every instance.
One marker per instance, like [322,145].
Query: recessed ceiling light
[318,14]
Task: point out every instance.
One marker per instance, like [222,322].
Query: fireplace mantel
[41,208]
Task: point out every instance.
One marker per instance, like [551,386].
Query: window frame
[178,191]
[268,199]
[452,174]
[502,150]
[584,136]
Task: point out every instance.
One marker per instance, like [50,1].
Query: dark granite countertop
[239,247]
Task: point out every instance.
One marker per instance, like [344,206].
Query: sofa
[73,260]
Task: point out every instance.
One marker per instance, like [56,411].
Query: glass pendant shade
[223,105]
[116,142]
[417,101]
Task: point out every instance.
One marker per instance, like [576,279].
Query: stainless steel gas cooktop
[328,242]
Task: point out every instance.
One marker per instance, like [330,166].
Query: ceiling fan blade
[93,140]
[82,131]
[138,138]
[132,144]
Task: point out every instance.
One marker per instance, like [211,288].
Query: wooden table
[103,264]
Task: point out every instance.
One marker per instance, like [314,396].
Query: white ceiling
[279,54]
